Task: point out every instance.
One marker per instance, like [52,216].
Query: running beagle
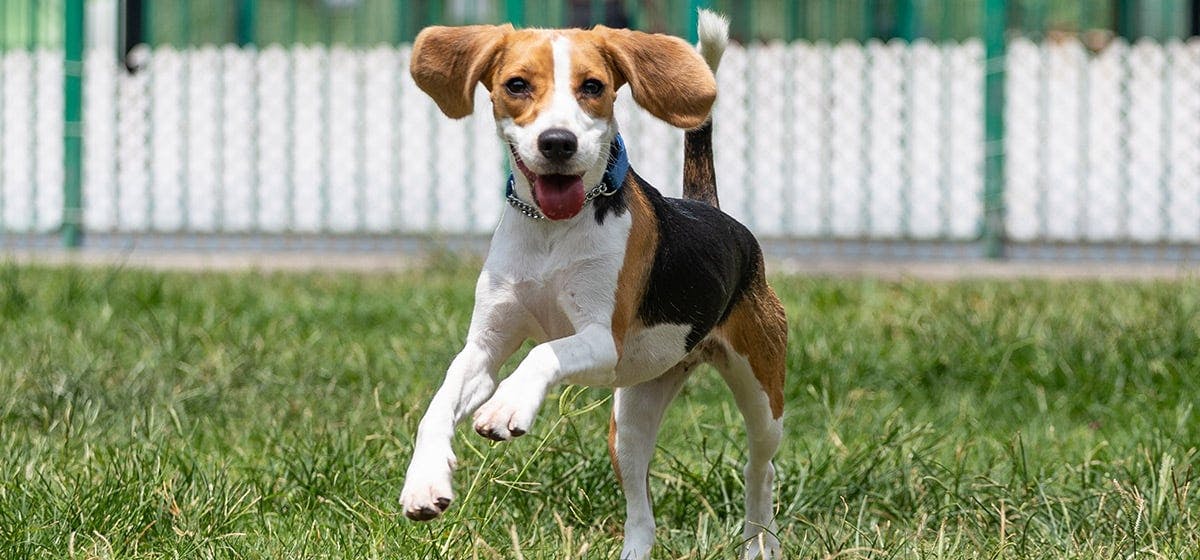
[620,286]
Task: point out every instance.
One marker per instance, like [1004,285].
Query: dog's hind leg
[753,367]
[633,432]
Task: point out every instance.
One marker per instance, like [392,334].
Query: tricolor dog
[620,286]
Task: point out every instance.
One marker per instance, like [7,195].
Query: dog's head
[553,91]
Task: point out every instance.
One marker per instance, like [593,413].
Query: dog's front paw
[427,492]
[508,414]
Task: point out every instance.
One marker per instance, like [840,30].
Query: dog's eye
[591,88]
[517,86]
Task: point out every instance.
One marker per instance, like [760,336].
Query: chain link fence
[826,148]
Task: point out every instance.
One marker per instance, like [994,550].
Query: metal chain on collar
[530,211]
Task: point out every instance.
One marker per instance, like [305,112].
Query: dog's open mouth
[559,196]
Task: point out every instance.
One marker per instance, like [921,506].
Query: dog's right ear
[447,62]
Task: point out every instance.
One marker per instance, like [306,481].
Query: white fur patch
[713,29]
[651,351]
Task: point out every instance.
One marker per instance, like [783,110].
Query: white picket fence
[847,141]
[31,131]
[1104,147]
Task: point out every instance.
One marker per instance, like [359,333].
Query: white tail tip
[713,29]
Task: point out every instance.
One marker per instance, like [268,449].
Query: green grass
[155,415]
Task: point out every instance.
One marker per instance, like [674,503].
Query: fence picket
[810,119]
[345,177]
[1184,131]
[1022,131]
[965,138]
[166,144]
[1060,166]
[885,106]
[48,192]
[486,194]
[240,136]
[419,119]
[1145,139]
[1105,152]
[847,61]
[766,136]
[310,140]
[19,141]
[133,154]
[100,97]
[923,151]
[202,166]
[378,138]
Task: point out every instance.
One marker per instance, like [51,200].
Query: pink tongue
[559,196]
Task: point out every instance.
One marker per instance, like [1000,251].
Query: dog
[620,286]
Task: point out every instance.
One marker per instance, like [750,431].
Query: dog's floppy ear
[447,62]
[666,75]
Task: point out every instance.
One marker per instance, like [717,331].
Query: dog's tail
[699,176]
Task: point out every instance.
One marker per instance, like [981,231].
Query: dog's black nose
[557,144]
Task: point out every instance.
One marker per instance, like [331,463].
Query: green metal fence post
[1036,23]
[1126,15]
[247,22]
[514,10]
[72,126]
[791,23]
[400,23]
[995,23]
[437,13]
[1127,19]
[1195,19]
[596,12]
[148,15]
[184,12]
[31,20]
[908,19]
[828,16]
[870,23]
[1168,12]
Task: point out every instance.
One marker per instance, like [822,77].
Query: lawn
[165,415]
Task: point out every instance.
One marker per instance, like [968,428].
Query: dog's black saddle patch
[703,265]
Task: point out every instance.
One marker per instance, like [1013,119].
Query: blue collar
[610,184]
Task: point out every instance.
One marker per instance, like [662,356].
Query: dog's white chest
[541,299]
[564,278]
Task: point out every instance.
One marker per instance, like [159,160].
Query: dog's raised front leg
[470,380]
[589,353]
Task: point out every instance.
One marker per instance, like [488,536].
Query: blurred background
[855,129]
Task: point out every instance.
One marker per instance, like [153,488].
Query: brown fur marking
[588,60]
[612,445]
[529,56]
[447,62]
[757,329]
[667,76]
[639,258]
[699,176]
